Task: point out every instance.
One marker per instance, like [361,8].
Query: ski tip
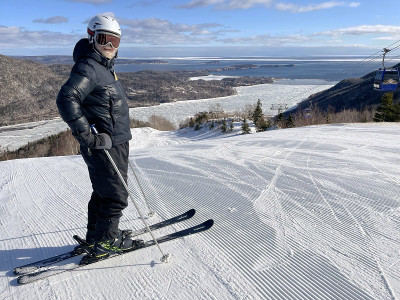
[191,212]
[20,271]
[21,280]
[209,223]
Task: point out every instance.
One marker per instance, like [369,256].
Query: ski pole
[151,212]
[165,257]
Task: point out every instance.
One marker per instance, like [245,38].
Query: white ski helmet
[102,23]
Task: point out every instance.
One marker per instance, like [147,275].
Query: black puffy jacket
[93,95]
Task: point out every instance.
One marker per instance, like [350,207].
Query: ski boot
[103,249]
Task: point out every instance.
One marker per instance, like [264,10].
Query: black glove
[101,141]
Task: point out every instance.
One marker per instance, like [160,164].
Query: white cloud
[156,31]
[354,4]
[18,37]
[240,4]
[227,5]
[386,38]
[201,3]
[282,6]
[159,32]
[295,8]
[332,37]
[269,40]
[52,20]
[363,30]
[150,31]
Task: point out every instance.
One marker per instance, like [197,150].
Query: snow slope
[305,213]
[15,136]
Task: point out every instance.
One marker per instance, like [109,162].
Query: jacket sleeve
[81,83]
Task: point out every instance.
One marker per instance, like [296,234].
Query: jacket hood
[83,49]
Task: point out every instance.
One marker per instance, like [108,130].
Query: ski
[28,278]
[32,267]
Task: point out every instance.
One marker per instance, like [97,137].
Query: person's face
[107,50]
[107,44]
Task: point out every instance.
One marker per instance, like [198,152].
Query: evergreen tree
[231,126]
[212,125]
[397,112]
[245,127]
[191,122]
[261,124]
[279,120]
[223,127]
[387,111]
[257,114]
[198,124]
[290,122]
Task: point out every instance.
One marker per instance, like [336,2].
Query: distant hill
[28,89]
[67,59]
[353,93]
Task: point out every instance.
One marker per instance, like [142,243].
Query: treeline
[217,117]
[387,111]
[61,144]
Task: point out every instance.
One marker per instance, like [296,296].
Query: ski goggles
[103,38]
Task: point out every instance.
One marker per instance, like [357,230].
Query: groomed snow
[304,213]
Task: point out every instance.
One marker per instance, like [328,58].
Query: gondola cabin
[387,80]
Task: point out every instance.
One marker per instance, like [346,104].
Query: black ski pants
[109,196]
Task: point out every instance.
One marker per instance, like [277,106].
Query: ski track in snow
[304,213]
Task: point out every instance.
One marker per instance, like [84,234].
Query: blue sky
[156,28]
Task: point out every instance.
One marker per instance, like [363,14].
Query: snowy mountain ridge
[303,213]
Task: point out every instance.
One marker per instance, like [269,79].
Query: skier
[93,96]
